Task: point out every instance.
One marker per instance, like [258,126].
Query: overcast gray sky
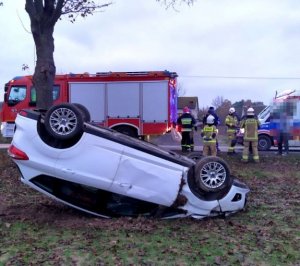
[237,49]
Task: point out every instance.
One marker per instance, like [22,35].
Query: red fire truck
[134,103]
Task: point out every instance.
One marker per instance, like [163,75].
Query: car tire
[212,174]
[129,131]
[264,143]
[64,121]
[196,156]
[84,111]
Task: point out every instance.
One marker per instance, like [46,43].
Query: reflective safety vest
[231,122]
[251,125]
[207,134]
[187,122]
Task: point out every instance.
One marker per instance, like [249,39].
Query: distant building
[190,102]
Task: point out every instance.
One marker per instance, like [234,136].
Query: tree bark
[43,17]
[45,69]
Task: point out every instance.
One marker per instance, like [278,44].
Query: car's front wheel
[64,121]
[212,174]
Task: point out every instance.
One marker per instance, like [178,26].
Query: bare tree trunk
[44,73]
[43,16]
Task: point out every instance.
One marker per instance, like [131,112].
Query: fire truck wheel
[212,174]
[127,131]
[64,121]
[84,111]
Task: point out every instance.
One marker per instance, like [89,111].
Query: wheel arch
[120,126]
[267,135]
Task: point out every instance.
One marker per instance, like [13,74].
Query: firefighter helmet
[250,111]
[231,110]
[210,120]
[186,109]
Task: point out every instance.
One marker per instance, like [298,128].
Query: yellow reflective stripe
[185,145]
[208,129]
[230,130]
[186,121]
[209,141]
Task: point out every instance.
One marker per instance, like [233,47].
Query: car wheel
[264,143]
[84,111]
[64,121]
[195,155]
[212,174]
[129,131]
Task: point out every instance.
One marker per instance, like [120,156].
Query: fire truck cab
[134,103]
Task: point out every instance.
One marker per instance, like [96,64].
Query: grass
[226,243]
[266,233]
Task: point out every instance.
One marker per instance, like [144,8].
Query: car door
[147,177]
[93,161]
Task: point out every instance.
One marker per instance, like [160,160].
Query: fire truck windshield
[16,94]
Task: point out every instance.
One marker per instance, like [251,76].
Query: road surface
[4,146]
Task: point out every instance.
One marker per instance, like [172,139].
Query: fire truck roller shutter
[92,96]
[155,101]
[123,99]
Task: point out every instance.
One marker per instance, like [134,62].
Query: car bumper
[235,199]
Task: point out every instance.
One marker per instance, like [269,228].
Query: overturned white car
[109,174]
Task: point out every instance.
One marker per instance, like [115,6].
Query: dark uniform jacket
[186,121]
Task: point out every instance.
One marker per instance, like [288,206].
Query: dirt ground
[19,202]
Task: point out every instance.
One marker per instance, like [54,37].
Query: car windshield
[264,113]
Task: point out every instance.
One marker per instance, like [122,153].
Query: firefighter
[209,136]
[211,111]
[187,123]
[251,125]
[232,123]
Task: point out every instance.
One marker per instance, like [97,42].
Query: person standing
[284,133]
[211,111]
[232,122]
[187,123]
[250,124]
[209,136]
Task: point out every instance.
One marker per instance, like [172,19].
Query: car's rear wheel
[64,121]
[212,174]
